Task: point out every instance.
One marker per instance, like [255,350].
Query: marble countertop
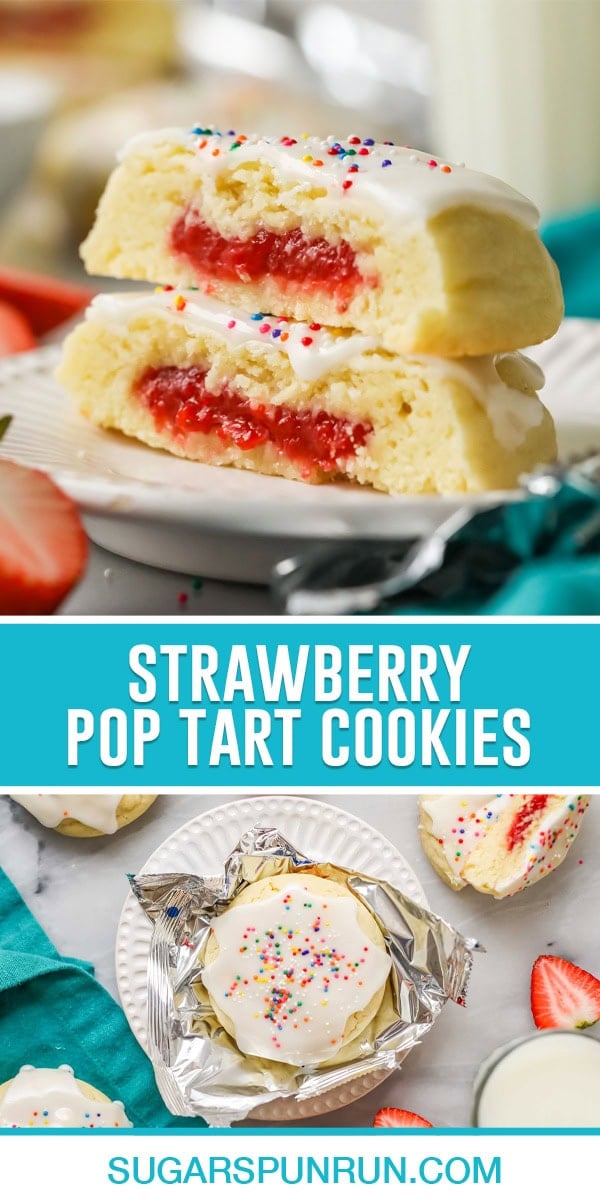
[57,876]
[115,586]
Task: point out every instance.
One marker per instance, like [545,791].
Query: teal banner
[299,704]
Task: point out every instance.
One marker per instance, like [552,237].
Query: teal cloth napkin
[574,243]
[551,589]
[53,1011]
[536,557]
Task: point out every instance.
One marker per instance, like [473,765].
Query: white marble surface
[76,890]
[115,586]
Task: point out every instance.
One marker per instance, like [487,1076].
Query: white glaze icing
[328,349]
[410,188]
[551,1080]
[97,812]
[461,823]
[511,412]
[41,1097]
[291,971]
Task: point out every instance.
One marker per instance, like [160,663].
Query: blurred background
[509,86]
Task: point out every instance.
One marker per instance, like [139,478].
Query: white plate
[323,833]
[154,508]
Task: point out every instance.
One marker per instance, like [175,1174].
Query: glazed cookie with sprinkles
[424,256]
[86,815]
[296,968]
[184,373]
[52,1098]
[499,844]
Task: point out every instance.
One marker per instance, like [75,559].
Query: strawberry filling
[291,260]
[524,819]
[180,402]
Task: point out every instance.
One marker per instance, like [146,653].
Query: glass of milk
[516,93]
[548,1080]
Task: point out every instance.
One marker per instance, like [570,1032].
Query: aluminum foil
[199,1069]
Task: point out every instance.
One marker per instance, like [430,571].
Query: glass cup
[516,93]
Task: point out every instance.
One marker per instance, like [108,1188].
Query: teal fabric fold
[552,589]
[53,1011]
[17,967]
[574,243]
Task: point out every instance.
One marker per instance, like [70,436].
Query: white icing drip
[327,970]
[97,812]
[512,413]
[409,188]
[462,823]
[327,350]
[39,1097]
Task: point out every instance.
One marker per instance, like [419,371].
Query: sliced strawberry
[16,333]
[399,1118]
[43,545]
[563,996]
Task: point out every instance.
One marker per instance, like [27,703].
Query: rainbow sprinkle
[287,963]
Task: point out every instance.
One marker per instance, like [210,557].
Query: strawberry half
[43,545]
[563,996]
[399,1118]
[16,333]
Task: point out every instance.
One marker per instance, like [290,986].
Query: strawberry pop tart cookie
[499,844]
[424,256]
[85,816]
[296,968]
[45,1098]
[184,373]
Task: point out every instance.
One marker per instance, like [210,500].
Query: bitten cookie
[44,1098]
[296,968]
[183,373]
[498,844]
[424,256]
[85,816]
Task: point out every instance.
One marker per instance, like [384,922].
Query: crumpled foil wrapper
[199,1069]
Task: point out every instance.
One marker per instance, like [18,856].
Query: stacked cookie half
[325,311]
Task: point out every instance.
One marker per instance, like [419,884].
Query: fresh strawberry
[16,333]
[43,301]
[563,996]
[399,1118]
[43,545]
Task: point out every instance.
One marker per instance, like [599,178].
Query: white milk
[550,1079]
[517,94]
